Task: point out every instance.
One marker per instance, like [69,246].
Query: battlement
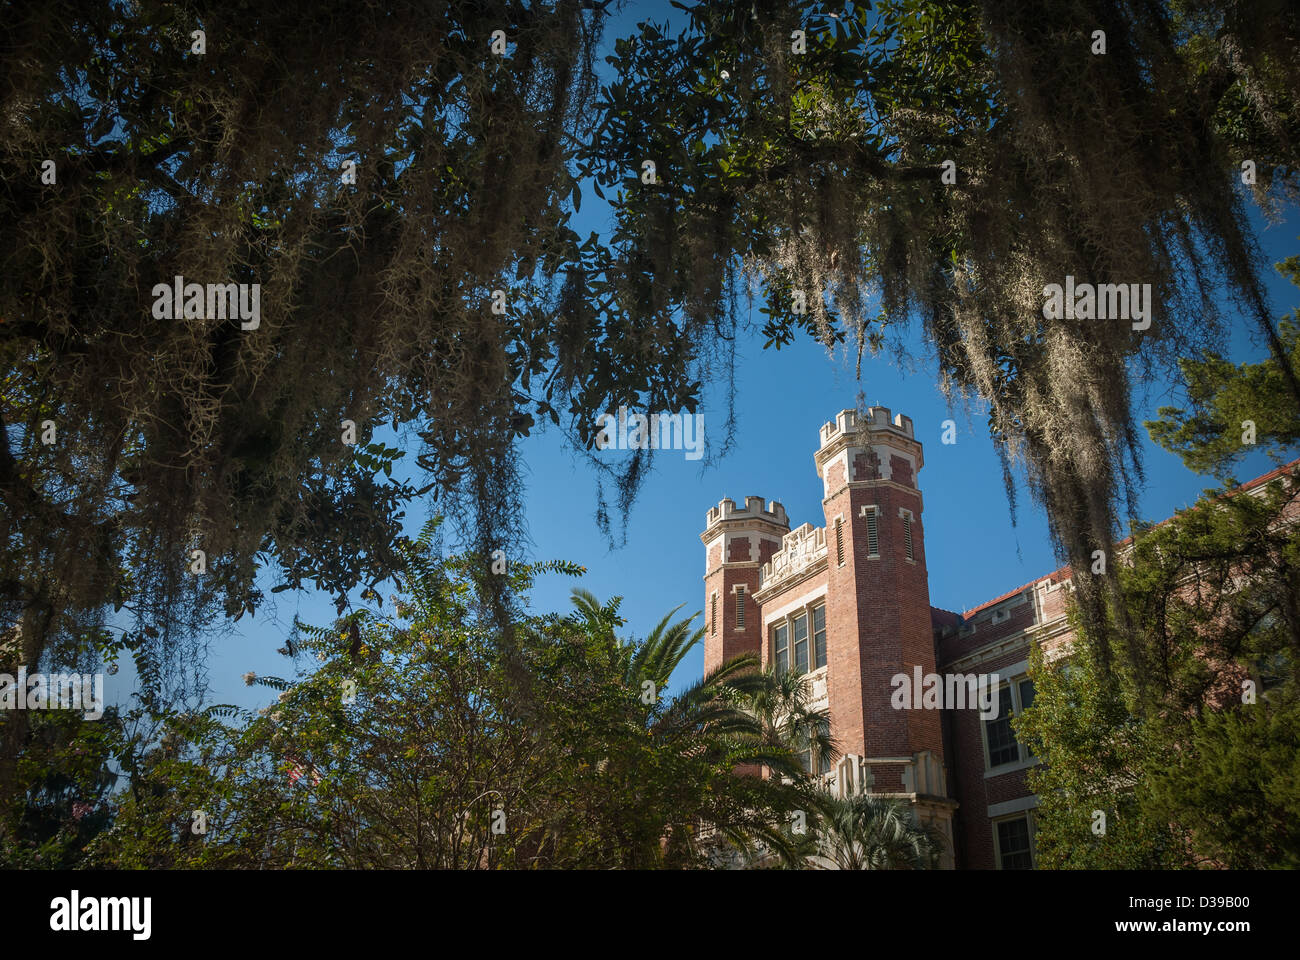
[752,510]
[878,418]
[800,549]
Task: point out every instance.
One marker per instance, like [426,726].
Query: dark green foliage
[1235,408]
[588,766]
[866,832]
[67,799]
[1235,785]
[1096,757]
[228,166]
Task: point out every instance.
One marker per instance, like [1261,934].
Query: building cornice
[876,484]
[733,565]
[777,587]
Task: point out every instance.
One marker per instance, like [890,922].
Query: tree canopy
[805,147]
[397,182]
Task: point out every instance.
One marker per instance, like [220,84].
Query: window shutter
[873,536]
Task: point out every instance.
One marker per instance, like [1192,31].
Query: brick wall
[878,625]
[723,640]
[976,793]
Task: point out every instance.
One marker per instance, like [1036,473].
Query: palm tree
[744,718]
[867,832]
[737,718]
[769,716]
[653,660]
[783,705]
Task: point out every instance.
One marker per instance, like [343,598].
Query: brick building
[848,604]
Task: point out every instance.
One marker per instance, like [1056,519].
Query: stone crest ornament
[800,549]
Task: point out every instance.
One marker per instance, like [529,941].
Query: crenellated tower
[737,542]
[878,595]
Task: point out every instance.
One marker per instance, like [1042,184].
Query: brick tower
[737,542]
[878,608]
[878,597]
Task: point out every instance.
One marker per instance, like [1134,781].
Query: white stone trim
[1007,807]
[1007,767]
[807,600]
[842,458]
[1013,672]
[885,452]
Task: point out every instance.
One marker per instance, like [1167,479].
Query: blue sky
[782,398]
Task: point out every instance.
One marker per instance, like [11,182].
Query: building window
[819,636]
[713,614]
[873,535]
[907,536]
[790,642]
[799,631]
[1000,738]
[780,648]
[740,607]
[1015,843]
[839,541]
[1269,670]
[1025,689]
[806,754]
